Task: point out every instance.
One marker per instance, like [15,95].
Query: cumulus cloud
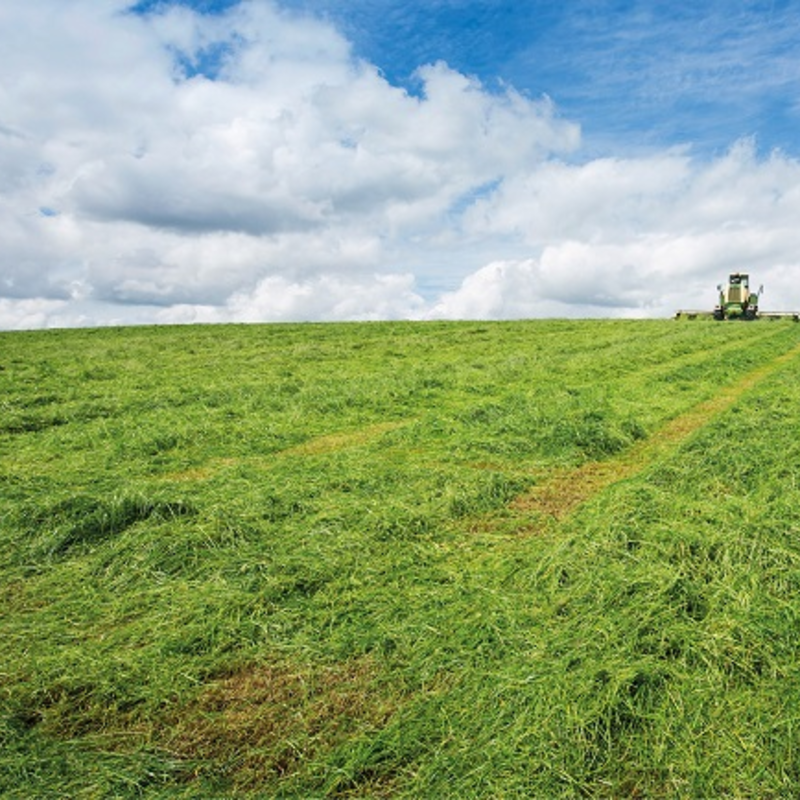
[176,166]
[634,237]
[176,159]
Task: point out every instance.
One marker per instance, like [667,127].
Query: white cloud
[292,181]
[31,313]
[636,236]
[327,298]
[128,176]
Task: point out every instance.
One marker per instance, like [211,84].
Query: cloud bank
[172,166]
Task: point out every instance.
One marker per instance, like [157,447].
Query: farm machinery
[737,301]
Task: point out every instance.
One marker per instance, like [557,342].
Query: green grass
[290,561]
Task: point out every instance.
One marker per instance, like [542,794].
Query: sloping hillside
[529,559]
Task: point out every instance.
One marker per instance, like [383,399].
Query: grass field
[506,560]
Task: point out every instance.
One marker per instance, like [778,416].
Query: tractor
[736,301]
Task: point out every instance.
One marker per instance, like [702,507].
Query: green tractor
[736,301]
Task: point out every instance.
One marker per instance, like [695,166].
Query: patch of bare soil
[258,724]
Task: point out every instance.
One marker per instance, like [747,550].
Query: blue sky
[635,74]
[214,160]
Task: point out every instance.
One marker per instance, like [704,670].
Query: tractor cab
[736,301]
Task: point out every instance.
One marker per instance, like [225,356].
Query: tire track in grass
[567,489]
[319,445]
[332,442]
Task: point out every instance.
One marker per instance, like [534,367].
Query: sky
[178,161]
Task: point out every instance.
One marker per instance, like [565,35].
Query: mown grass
[287,561]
